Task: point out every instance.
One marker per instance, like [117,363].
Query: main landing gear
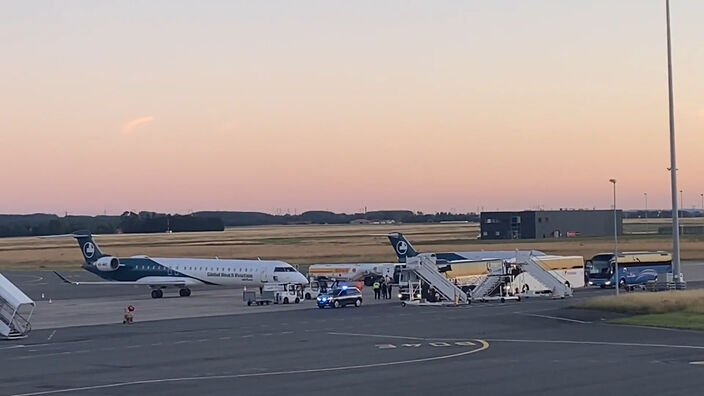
[158,293]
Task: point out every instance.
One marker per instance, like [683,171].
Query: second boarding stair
[487,286]
[424,265]
[533,267]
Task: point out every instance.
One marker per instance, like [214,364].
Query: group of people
[382,288]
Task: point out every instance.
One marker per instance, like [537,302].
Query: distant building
[544,224]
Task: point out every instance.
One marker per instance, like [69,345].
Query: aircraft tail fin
[90,250]
[402,246]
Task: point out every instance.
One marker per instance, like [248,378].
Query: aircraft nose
[301,279]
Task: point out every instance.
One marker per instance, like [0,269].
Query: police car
[338,298]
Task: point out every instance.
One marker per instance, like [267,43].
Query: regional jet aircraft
[404,249]
[179,273]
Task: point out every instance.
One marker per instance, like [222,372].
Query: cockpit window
[284,269]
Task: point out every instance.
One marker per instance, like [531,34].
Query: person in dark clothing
[383,289]
[388,289]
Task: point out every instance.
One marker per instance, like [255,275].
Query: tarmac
[219,346]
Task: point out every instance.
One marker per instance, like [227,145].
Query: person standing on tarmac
[376,287]
[383,288]
[388,288]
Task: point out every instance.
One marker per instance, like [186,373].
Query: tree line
[152,222]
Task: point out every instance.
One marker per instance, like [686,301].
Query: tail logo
[89,250]
[401,248]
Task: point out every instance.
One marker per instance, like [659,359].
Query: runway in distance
[179,273]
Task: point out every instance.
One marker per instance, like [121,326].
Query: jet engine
[107,264]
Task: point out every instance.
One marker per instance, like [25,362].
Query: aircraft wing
[181,282]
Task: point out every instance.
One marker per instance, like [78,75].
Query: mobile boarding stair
[15,311]
[559,287]
[491,287]
[424,267]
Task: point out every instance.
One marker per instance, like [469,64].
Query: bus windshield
[601,267]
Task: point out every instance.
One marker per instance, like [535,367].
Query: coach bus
[634,268]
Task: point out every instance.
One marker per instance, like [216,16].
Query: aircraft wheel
[157,294]
[184,292]
[308,297]
[285,300]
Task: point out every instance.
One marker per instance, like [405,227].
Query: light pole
[702,195]
[682,199]
[645,194]
[616,275]
[673,159]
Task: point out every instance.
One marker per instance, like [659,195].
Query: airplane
[404,249]
[179,273]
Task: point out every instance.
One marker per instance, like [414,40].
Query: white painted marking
[553,317]
[439,344]
[224,338]
[51,335]
[654,328]
[464,343]
[286,332]
[626,344]
[43,355]
[411,345]
[697,363]
[377,336]
[157,344]
[385,346]
[182,342]
[14,347]
[248,336]
[484,346]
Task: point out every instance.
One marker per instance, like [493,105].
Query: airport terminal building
[543,224]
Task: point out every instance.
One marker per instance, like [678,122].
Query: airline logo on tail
[401,248]
[89,250]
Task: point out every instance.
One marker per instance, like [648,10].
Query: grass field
[649,303]
[676,309]
[308,244]
[676,320]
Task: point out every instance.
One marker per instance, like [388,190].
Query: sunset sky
[425,105]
